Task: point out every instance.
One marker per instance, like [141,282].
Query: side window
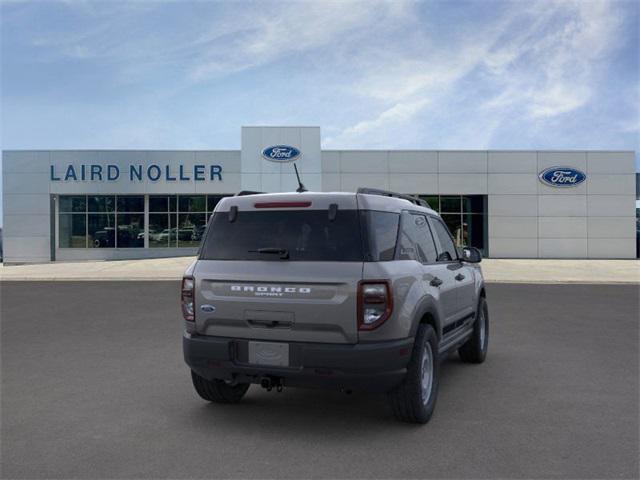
[408,239]
[415,241]
[447,251]
[425,239]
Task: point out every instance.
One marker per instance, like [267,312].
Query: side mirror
[471,255]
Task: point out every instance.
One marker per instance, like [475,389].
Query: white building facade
[111,204]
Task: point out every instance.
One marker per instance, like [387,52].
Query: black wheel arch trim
[427,308]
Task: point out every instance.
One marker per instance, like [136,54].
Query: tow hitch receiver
[269,383]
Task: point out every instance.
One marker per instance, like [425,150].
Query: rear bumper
[376,366]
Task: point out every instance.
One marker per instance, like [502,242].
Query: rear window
[305,235]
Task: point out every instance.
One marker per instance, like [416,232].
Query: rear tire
[474,350]
[218,391]
[415,398]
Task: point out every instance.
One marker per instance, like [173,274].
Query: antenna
[301,187]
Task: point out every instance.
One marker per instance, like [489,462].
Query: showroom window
[465,215]
[101,221]
[118,221]
[179,220]
[162,221]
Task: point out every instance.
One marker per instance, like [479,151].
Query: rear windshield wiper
[283,252]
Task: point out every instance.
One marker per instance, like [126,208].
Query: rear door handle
[436,282]
[459,277]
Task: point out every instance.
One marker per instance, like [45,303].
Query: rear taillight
[375,303]
[186,299]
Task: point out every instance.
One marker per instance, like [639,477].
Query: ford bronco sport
[353,291]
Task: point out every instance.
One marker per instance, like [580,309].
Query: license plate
[269,353]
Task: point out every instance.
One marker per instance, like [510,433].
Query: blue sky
[446,75]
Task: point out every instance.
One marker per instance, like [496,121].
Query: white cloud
[539,60]
[261,37]
[230,38]
[400,112]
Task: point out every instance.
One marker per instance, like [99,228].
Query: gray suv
[352,291]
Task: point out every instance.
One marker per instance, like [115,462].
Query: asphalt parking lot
[94,386]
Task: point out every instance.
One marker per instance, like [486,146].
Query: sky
[373,74]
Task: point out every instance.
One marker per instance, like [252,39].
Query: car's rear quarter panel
[408,292]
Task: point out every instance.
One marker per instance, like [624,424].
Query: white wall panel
[612,205]
[512,162]
[407,161]
[356,161]
[470,183]
[21,249]
[25,204]
[513,227]
[611,162]
[462,162]
[125,157]
[612,227]
[25,225]
[513,247]
[598,184]
[350,182]
[231,184]
[612,248]
[331,182]
[270,182]
[20,183]
[562,205]
[229,160]
[76,157]
[513,205]
[32,161]
[562,247]
[251,181]
[330,162]
[562,159]
[513,183]
[413,183]
[562,227]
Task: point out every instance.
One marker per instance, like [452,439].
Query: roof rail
[242,193]
[385,193]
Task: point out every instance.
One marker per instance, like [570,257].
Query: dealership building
[69,205]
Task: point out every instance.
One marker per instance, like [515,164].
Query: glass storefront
[465,215]
[179,221]
[118,221]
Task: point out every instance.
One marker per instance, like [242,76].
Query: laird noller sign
[135,173]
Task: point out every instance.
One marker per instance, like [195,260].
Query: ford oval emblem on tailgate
[207,308]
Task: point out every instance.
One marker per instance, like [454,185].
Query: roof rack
[385,193]
[242,193]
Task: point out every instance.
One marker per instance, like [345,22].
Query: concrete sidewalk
[495,270]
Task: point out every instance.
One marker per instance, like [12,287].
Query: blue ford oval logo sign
[562,177]
[281,153]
